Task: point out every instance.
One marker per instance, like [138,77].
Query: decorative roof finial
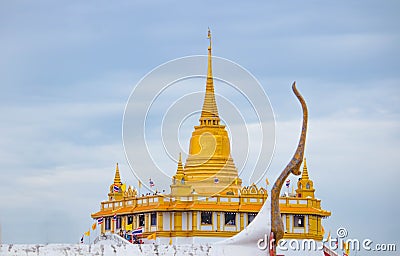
[180,166]
[117,178]
[209,113]
[209,37]
[304,176]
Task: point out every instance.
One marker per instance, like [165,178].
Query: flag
[152,236]
[138,231]
[151,183]
[287,183]
[123,187]
[216,180]
[116,188]
[94,226]
[140,184]
[87,233]
[100,220]
[114,217]
[82,239]
[128,227]
[346,248]
[170,241]
[267,181]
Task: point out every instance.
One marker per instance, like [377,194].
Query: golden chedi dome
[209,168]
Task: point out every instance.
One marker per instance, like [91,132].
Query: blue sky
[67,69]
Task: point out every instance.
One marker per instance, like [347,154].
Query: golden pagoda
[207,201]
[209,168]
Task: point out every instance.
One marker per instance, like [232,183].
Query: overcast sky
[67,69]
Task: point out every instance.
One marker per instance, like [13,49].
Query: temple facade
[207,201]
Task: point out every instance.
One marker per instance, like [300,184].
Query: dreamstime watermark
[340,243]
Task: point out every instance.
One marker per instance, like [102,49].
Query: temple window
[250,217]
[141,220]
[230,218]
[108,223]
[130,219]
[153,218]
[308,186]
[206,218]
[118,222]
[299,221]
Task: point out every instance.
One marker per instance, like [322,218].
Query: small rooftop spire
[117,178]
[304,176]
[180,166]
[209,113]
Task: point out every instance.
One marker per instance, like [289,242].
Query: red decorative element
[272,251]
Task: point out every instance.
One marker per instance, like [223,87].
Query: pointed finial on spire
[117,178]
[209,37]
[209,113]
[304,176]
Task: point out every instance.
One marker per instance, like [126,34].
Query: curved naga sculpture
[292,167]
[269,217]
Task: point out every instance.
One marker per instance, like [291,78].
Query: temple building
[207,201]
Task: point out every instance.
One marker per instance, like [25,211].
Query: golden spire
[304,176]
[179,170]
[209,113]
[117,178]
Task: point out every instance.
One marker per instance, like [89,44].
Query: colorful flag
[87,233]
[100,220]
[114,217]
[216,180]
[123,187]
[151,183]
[287,183]
[152,236]
[138,231]
[116,188]
[94,226]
